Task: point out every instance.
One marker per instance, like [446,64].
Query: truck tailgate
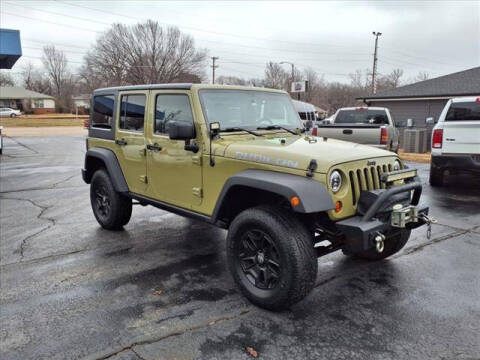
[361,134]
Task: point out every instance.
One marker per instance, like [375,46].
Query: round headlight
[335,181]
[396,165]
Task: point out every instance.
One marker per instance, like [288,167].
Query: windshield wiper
[276,127]
[232,129]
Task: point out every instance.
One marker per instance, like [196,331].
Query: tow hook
[379,242]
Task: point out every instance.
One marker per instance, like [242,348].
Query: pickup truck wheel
[393,244]
[111,209]
[436,176]
[271,257]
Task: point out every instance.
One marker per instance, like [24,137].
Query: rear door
[461,128]
[130,139]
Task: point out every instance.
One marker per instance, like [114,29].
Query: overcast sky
[333,37]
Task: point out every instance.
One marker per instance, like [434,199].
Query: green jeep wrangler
[238,158]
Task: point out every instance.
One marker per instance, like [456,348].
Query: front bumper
[375,215]
[457,161]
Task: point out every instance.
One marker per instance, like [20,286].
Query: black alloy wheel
[259,259]
[102,201]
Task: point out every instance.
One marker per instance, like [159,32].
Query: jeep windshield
[249,109]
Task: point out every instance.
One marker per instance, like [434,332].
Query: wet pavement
[160,288]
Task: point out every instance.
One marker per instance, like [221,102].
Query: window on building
[102,115]
[132,112]
[171,107]
[38,103]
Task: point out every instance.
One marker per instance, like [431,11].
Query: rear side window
[132,112]
[102,116]
[362,116]
[170,107]
[464,111]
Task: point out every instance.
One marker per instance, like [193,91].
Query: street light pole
[374,74]
[293,74]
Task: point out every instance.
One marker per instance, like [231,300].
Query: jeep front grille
[367,178]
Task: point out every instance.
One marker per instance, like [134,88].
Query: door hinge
[144,179]
[197,192]
[143,151]
[197,160]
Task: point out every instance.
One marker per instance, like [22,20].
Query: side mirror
[430,120]
[308,124]
[180,130]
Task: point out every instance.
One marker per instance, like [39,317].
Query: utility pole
[214,58]
[374,74]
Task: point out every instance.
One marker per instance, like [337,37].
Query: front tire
[436,176]
[111,209]
[393,244]
[13,115]
[271,257]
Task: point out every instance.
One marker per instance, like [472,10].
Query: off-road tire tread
[121,206]
[301,252]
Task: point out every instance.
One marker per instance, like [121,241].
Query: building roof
[17,92]
[10,48]
[462,83]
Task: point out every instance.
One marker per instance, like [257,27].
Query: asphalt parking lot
[160,288]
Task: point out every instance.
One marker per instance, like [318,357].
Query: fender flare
[110,160]
[314,196]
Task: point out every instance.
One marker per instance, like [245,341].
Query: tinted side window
[171,108]
[102,115]
[463,111]
[132,112]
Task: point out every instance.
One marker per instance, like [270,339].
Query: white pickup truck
[456,139]
[364,125]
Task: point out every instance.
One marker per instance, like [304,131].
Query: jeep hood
[297,152]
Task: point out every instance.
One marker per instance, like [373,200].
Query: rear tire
[271,257]
[393,244]
[111,209]
[436,176]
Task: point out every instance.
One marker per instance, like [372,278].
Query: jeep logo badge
[371,163]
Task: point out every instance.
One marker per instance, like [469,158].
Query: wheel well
[240,197]
[92,164]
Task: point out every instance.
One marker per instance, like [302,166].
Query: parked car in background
[8,112]
[456,139]
[363,125]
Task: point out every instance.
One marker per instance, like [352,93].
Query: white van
[456,139]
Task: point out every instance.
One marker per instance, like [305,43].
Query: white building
[16,97]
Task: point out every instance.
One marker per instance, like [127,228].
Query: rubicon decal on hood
[265,159]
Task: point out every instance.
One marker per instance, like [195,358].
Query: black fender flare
[110,160]
[314,196]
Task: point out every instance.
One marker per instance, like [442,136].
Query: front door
[130,139]
[174,174]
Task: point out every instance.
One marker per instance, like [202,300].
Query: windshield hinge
[312,167]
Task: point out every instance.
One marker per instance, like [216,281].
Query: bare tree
[391,80]
[275,76]
[61,80]
[35,80]
[144,53]
[231,80]
[421,76]
[6,79]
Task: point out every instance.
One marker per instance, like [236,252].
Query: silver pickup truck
[363,125]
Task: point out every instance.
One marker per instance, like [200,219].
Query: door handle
[348,131]
[154,147]
[120,142]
